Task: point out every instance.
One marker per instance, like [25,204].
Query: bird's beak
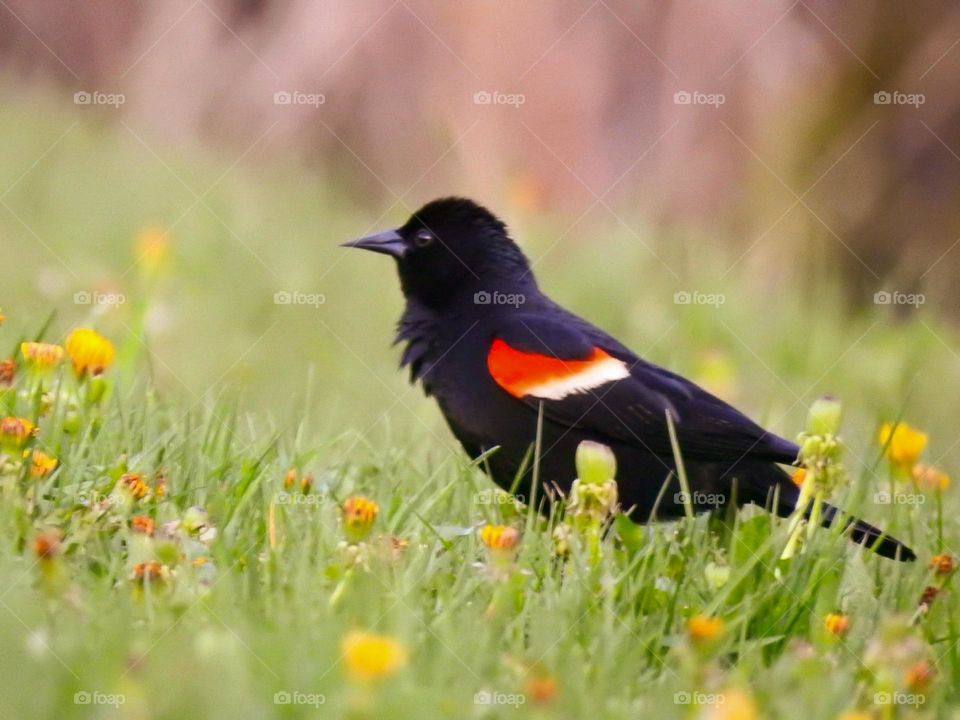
[388,242]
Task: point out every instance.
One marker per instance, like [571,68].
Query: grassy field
[174,562]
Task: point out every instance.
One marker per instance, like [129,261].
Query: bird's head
[451,249]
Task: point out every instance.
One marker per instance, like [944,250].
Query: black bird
[491,348]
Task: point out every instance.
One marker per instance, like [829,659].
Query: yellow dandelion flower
[369,656]
[499,537]
[41,464]
[704,628]
[928,477]
[8,369]
[836,624]
[359,514]
[41,355]
[90,352]
[15,431]
[903,444]
[734,705]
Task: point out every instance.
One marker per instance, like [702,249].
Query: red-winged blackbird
[491,348]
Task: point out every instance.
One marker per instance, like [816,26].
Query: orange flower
[704,628]
[942,564]
[152,250]
[540,688]
[15,431]
[142,524]
[928,477]
[798,476]
[40,355]
[918,676]
[499,537]
[90,352]
[134,484]
[46,545]
[290,478]
[8,368]
[359,514]
[41,464]
[836,624]
[148,571]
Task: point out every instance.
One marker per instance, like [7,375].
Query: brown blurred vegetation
[798,161]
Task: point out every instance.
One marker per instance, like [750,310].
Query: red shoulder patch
[524,373]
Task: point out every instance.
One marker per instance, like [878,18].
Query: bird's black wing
[586,379]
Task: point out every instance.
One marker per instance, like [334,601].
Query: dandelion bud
[8,368]
[306,484]
[46,545]
[595,462]
[716,575]
[501,541]
[289,479]
[359,514]
[41,464]
[148,572]
[824,416]
[40,355]
[142,524]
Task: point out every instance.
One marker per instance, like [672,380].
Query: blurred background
[762,194]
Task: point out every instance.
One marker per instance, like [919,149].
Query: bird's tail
[772,482]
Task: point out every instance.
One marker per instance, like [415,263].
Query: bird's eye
[422,238]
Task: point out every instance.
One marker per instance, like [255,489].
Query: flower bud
[595,462]
[824,416]
[359,514]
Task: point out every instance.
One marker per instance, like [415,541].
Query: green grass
[224,391]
